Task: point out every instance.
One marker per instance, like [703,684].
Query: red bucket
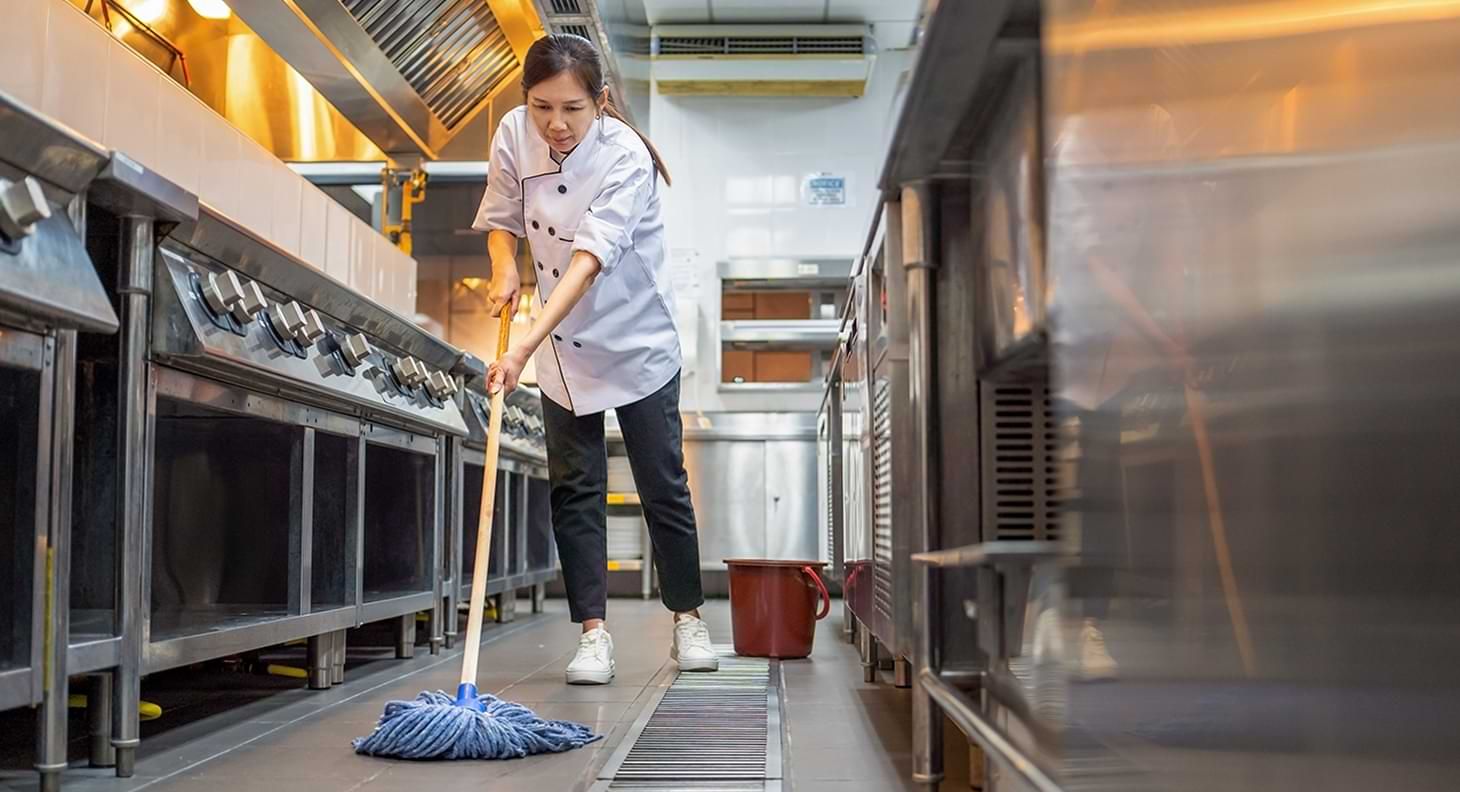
[773,606]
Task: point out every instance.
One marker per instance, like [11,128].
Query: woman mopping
[581,184]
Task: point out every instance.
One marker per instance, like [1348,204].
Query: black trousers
[578,469]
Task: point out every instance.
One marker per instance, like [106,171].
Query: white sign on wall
[825,189]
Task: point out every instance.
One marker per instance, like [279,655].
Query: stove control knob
[222,292]
[22,205]
[409,371]
[355,348]
[288,319]
[250,302]
[312,330]
[440,385]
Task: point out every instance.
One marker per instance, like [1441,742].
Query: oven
[51,302]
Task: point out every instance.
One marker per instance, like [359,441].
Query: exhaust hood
[410,74]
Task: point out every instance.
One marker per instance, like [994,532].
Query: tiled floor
[843,735]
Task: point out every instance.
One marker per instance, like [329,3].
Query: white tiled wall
[738,165]
[55,58]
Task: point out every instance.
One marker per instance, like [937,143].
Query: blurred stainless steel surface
[1254,235]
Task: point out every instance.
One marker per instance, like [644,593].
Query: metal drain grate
[717,732]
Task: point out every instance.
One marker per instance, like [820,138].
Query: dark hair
[563,52]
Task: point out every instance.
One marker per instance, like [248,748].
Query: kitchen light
[211,9]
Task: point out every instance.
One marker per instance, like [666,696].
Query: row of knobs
[226,293]
[518,418]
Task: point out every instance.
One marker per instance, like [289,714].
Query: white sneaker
[691,647]
[593,664]
[1095,661]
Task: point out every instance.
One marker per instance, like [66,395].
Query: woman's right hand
[504,288]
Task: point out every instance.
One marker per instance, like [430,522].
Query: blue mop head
[470,726]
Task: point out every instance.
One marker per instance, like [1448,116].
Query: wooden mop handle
[484,521]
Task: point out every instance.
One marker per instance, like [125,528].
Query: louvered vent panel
[575,30]
[566,7]
[1023,490]
[748,45]
[452,52]
[882,497]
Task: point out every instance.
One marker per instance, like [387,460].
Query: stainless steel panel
[219,239]
[381,610]
[48,280]
[127,188]
[790,505]
[26,366]
[727,481]
[1255,224]
[778,273]
[228,639]
[184,335]
[34,144]
[1011,223]
[83,658]
[749,426]
[812,334]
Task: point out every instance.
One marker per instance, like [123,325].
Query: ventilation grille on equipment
[566,7]
[1024,494]
[576,30]
[751,45]
[882,497]
[452,53]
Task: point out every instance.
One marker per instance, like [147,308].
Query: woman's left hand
[506,371]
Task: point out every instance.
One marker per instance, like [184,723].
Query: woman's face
[562,111]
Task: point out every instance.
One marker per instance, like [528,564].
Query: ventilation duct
[410,74]
[761,60]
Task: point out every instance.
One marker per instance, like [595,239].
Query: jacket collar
[540,157]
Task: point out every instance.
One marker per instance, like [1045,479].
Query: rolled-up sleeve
[607,230]
[501,207]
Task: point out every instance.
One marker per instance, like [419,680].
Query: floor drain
[717,732]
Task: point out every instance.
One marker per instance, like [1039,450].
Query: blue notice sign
[825,189]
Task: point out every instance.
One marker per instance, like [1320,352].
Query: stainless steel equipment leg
[539,597]
[135,291]
[320,649]
[405,637]
[507,606]
[920,211]
[337,658]
[868,650]
[646,572]
[902,673]
[849,624]
[55,503]
[99,721]
[438,635]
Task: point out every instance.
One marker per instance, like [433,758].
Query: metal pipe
[337,658]
[56,505]
[135,292]
[405,637]
[964,713]
[920,261]
[320,652]
[99,721]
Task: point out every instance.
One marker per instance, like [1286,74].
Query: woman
[582,185]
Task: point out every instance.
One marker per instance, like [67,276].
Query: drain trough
[718,732]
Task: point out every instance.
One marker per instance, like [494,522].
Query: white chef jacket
[619,344]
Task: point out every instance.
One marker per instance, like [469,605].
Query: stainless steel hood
[410,74]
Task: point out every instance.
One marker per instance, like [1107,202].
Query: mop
[472,725]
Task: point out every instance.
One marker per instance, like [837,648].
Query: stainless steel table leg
[405,637]
[99,721]
[337,658]
[539,597]
[133,425]
[868,650]
[902,672]
[319,661]
[507,606]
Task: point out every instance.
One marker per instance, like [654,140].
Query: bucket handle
[825,595]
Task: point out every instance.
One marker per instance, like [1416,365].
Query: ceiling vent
[761,60]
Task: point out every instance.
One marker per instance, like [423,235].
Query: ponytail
[653,152]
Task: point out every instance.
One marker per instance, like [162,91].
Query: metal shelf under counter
[786,334]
